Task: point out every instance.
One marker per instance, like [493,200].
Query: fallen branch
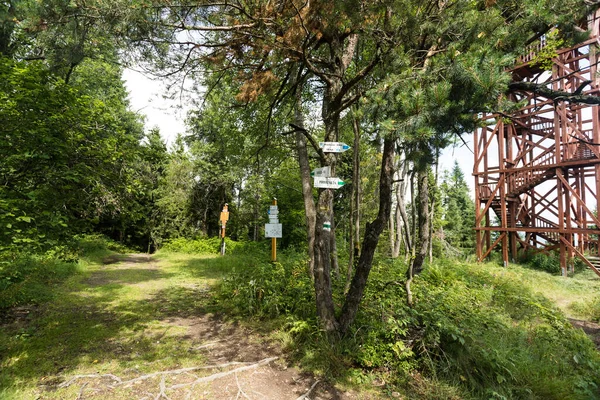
[240,390]
[219,375]
[94,376]
[209,344]
[163,374]
[305,395]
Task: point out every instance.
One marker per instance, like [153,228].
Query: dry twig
[305,395]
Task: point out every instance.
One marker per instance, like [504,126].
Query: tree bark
[354,245]
[335,266]
[372,233]
[423,211]
[401,200]
[307,195]
[324,218]
[433,204]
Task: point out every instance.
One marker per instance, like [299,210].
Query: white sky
[146,96]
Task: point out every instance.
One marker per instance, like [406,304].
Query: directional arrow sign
[333,147]
[324,172]
[328,183]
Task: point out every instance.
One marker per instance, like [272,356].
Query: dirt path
[219,359]
[591,329]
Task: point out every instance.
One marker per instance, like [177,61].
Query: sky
[146,96]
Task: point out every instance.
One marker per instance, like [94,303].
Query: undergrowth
[29,278]
[474,332]
[211,245]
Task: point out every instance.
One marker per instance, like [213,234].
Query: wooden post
[274,241]
[224,218]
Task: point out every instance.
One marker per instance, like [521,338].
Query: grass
[114,318]
[568,294]
[132,316]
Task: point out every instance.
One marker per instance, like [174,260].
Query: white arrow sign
[324,172]
[328,183]
[333,147]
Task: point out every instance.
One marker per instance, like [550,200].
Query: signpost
[329,183]
[223,218]
[273,229]
[324,172]
[333,147]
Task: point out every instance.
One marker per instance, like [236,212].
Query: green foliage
[544,262]
[265,289]
[549,262]
[198,246]
[458,210]
[26,279]
[589,309]
[68,154]
[474,331]
[29,279]
[552,43]
[496,336]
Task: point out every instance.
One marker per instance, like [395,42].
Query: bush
[27,279]
[481,332]
[498,338]
[473,331]
[198,246]
[270,289]
[544,262]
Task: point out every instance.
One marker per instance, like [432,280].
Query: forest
[111,281]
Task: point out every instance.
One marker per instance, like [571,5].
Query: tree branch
[556,95]
[311,140]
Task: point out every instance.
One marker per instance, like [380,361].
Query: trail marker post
[273,229]
[224,218]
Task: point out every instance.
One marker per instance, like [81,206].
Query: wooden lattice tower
[537,171]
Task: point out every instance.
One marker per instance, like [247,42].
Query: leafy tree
[70,152]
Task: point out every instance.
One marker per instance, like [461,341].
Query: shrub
[545,262]
[28,279]
[198,246]
[270,289]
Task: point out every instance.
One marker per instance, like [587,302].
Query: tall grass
[474,331]
[29,279]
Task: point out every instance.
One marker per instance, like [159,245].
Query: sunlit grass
[112,318]
[565,293]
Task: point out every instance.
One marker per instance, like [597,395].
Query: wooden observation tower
[537,171]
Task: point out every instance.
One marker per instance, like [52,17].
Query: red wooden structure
[537,171]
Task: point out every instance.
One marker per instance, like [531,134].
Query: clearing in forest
[144,327]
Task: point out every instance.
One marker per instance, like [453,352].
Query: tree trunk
[433,204]
[401,200]
[423,211]
[307,195]
[354,249]
[335,266]
[372,233]
[324,220]
[393,233]
[322,268]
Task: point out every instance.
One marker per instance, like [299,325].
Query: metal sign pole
[274,241]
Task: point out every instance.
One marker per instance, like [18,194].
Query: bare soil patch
[591,329]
